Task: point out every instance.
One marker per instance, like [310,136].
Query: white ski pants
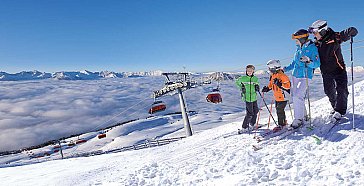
[298,89]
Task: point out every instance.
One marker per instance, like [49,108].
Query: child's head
[250,70]
[274,65]
[301,36]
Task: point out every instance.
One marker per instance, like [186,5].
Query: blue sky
[143,35]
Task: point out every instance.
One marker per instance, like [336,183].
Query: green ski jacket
[249,83]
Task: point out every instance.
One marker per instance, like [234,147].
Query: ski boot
[296,123]
[336,117]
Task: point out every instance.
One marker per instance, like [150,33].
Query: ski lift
[102,135]
[71,144]
[215,96]
[81,141]
[157,106]
[39,156]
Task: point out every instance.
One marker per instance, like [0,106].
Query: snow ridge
[73,75]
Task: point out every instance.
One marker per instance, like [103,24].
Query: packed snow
[214,155]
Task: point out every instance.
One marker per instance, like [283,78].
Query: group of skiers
[323,52]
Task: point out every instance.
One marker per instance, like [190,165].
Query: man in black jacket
[332,66]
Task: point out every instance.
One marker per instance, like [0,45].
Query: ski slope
[217,157]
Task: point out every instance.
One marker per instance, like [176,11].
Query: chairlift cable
[72,152]
[119,114]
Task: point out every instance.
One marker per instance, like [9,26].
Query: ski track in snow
[210,158]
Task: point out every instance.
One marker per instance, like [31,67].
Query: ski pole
[256,125]
[352,78]
[289,105]
[271,107]
[267,108]
[290,109]
[308,95]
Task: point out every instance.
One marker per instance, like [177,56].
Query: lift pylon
[180,82]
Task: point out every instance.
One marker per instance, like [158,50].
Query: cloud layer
[32,112]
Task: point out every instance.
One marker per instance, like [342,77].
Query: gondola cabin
[80,141]
[214,98]
[157,106]
[71,144]
[100,136]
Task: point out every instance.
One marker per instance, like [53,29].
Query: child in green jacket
[248,85]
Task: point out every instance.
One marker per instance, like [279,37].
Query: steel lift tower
[177,82]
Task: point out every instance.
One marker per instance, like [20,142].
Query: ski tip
[259,139]
[317,139]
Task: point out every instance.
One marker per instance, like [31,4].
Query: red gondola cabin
[157,106]
[80,141]
[214,98]
[103,135]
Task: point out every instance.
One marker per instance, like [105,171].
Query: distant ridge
[73,75]
[88,75]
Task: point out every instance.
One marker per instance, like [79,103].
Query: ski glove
[279,85]
[348,33]
[277,82]
[243,89]
[352,31]
[265,89]
[305,59]
[256,87]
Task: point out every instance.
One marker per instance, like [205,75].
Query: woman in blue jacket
[305,60]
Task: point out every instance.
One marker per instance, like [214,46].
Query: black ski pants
[280,106]
[336,88]
[251,114]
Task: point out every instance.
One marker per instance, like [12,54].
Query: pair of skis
[269,134]
[333,124]
[282,134]
[272,137]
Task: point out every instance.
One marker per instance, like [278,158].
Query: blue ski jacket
[310,50]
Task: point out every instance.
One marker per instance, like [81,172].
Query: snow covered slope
[217,157]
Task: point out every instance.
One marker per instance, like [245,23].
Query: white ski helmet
[273,65]
[319,26]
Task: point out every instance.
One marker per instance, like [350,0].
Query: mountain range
[73,75]
[88,75]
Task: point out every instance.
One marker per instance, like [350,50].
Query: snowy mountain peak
[86,72]
[108,74]
[73,75]
[220,76]
[24,75]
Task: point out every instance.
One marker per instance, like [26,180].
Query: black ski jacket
[331,58]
